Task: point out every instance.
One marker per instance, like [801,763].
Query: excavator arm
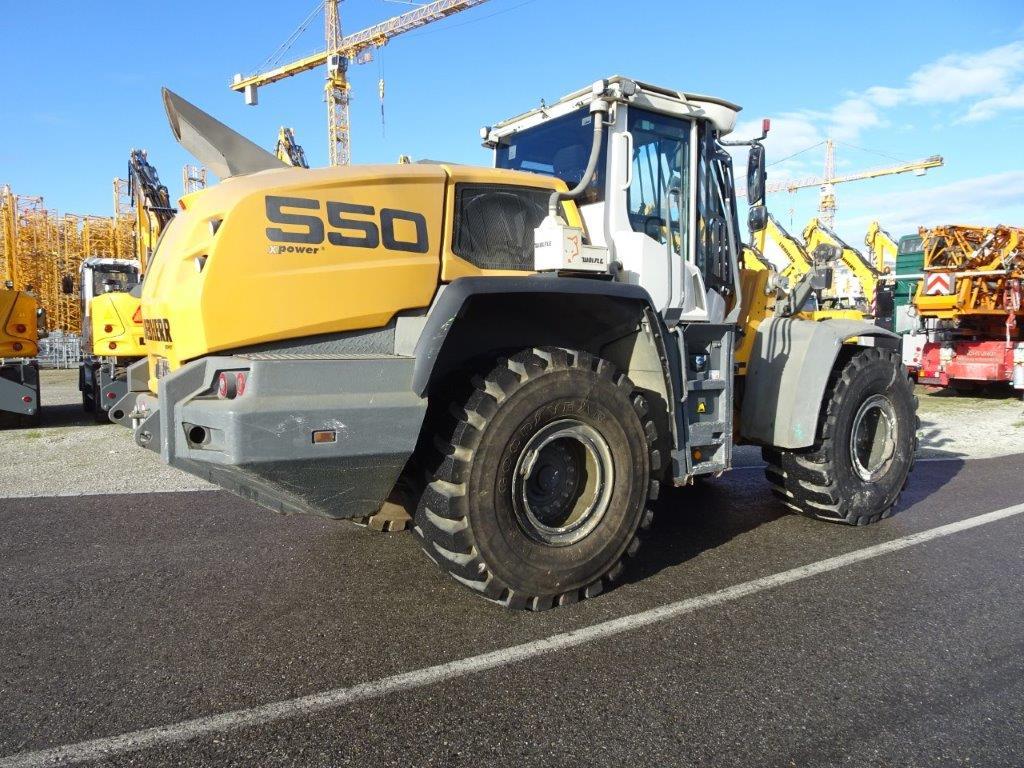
[881,246]
[782,251]
[152,204]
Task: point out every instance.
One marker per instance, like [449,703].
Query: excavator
[288,150]
[526,352]
[110,295]
[863,290]
[773,248]
[22,324]
[882,247]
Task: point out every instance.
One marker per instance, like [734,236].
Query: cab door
[651,211]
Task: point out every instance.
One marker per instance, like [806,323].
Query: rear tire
[867,440]
[542,480]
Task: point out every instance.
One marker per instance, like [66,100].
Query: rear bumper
[19,387]
[259,445]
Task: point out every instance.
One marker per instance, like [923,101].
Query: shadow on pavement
[691,520]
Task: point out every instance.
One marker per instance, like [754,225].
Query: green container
[909,260]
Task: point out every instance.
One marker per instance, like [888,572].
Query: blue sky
[901,79]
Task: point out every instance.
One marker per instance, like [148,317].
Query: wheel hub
[873,438]
[562,482]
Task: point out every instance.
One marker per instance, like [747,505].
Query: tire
[541,480]
[872,394]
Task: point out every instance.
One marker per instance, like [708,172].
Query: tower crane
[828,180]
[338,53]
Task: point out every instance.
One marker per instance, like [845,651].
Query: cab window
[659,191]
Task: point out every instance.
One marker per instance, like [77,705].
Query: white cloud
[986,84]
[988,108]
[983,200]
[958,76]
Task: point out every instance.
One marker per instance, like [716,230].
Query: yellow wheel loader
[22,324]
[112,336]
[110,295]
[526,353]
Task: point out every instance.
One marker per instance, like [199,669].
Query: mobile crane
[530,350]
[110,290]
[970,309]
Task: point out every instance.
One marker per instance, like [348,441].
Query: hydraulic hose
[598,109]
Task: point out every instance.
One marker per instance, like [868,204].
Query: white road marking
[199,727]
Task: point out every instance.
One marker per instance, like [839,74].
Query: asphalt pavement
[127,612]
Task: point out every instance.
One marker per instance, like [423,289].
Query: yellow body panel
[255,280]
[758,303]
[19,329]
[294,253]
[116,328]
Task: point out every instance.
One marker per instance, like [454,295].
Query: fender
[589,313]
[788,372]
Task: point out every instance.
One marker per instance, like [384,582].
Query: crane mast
[338,53]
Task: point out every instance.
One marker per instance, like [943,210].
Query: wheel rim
[563,482]
[873,438]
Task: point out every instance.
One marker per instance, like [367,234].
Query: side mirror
[755,175]
[67,285]
[757,218]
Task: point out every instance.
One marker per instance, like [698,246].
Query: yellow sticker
[701,408]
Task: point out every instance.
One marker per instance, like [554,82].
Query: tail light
[20,328]
[230,384]
[108,328]
[112,345]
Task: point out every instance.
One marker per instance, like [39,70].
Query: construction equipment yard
[541,415]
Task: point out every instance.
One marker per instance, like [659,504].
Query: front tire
[542,480]
[867,439]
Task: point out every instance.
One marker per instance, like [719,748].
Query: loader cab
[100,275]
[662,200]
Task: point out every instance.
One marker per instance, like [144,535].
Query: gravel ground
[71,455]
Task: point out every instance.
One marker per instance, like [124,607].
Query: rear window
[494,224]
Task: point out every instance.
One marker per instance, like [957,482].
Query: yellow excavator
[110,294]
[863,290]
[773,248]
[882,248]
[288,150]
[22,324]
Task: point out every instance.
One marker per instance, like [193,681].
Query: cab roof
[621,89]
